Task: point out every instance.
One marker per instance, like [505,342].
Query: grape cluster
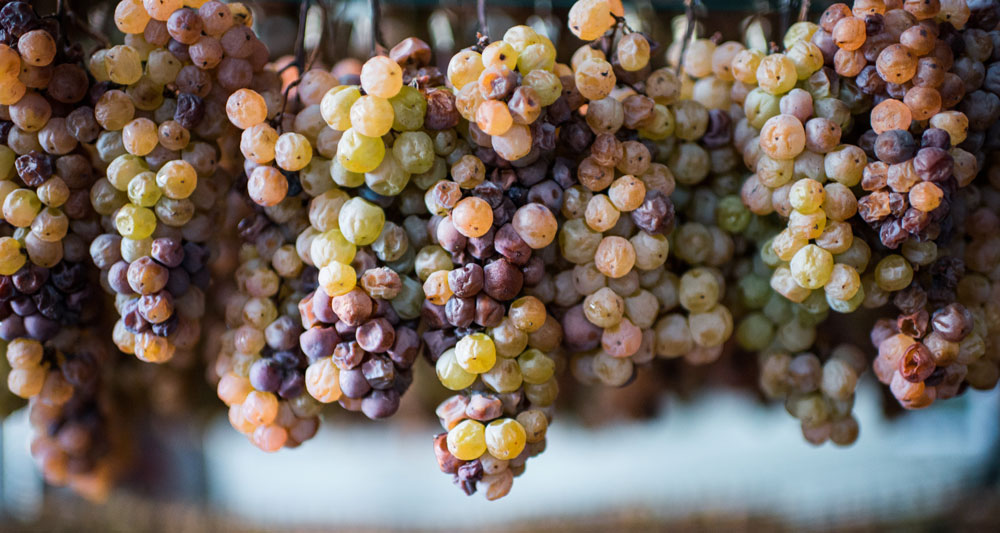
[361,334]
[75,435]
[262,371]
[160,103]
[493,228]
[818,393]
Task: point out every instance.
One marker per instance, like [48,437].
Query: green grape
[343,177]
[536,367]
[755,332]
[409,107]
[731,215]
[124,168]
[414,150]
[361,221]
[389,178]
[143,190]
[135,222]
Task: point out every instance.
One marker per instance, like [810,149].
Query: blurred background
[683,448]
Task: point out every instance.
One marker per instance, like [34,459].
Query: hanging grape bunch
[510,217]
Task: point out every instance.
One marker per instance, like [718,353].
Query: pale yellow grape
[476,353]
[595,79]
[131,16]
[776,74]
[811,267]
[505,438]
[541,56]
[162,9]
[382,77]
[450,373]
[783,137]
[500,53]
[20,207]
[123,64]
[331,246]
[514,144]
[337,278]
[361,221]
[123,168]
[293,151]
[12,258]
[465,67]
[589,19]
[520,37]
[140,136]
[257,143]
[546,84]
[336,106]
[177,179]
[372,116]
[143,191]
[359,153]
[467,440]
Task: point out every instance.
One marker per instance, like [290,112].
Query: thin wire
[319,43]
[376,7]
[688,32]
[484,27]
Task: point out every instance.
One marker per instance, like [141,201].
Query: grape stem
[804,10]
[621,23]
[65,13]
[300,36]
[688,32]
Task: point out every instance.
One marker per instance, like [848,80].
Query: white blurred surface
[720,453]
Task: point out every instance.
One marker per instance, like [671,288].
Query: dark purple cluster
[373,348]
[37,302]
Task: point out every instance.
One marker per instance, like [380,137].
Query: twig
[280,117]
[688,32]
[65,13]
[300,35]
[484,27]
[804,11]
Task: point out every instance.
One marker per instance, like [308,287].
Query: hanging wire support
[317,50]
[484,26]
[804,10]
[377,41]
